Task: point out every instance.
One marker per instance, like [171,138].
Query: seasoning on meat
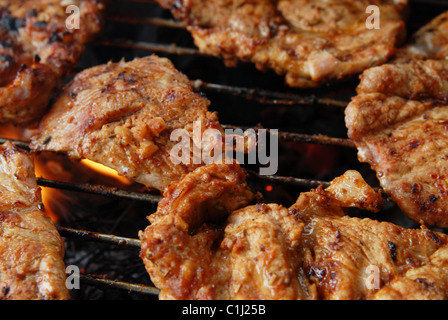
[399,122]
[311,42]
[206,242]
[37,49]
[31,249]
[122,115]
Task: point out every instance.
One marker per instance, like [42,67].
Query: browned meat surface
[429,42]
[398,122]
[37,50]
[342,254]
[180,248]
[122,115]
[31,250]
[309,41]
[205,243]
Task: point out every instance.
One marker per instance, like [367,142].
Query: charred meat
[38,47]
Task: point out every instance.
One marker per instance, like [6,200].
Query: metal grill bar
[289,180]
[158,22]
[117,284]
[283,135]
[316,139]
[267,96]
[300,137]
[140,196]
[95,236]
[154,47]
[262,96]
[98,189]
[118,193]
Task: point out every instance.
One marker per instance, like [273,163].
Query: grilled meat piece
[122,115]
[31,250]
[350,258]
[193,266]
[204,243]
[37,49]
[309,41]
[398,121]
[429,42]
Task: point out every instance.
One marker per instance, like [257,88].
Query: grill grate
[149,21]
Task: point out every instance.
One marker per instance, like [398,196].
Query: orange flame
[46,195]
[102,169]
[53,199]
